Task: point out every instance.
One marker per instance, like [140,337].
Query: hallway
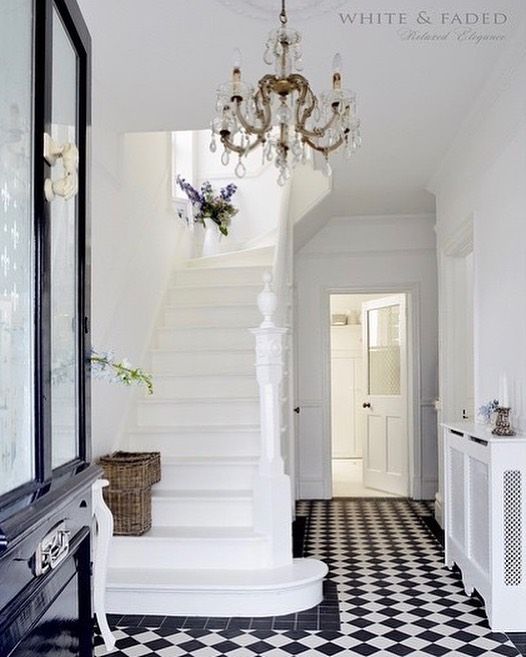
[395,597]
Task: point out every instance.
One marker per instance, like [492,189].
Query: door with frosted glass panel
[64,255]
[45,471]
[44,277]
[385,451]
[17,248]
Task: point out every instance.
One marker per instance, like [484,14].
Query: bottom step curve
[264,592]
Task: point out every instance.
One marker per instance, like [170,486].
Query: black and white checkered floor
[396,597]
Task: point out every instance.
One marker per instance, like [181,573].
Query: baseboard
[439,510]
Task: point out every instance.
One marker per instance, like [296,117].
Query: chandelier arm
[319,132]
[323,149]
[251,129]
[228,143]
[302,118]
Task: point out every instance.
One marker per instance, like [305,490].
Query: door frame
[414,395]
[450,248]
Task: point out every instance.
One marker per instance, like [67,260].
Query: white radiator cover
[484,518]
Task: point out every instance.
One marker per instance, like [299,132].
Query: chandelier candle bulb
[504,396]
[337,72]
[236,73]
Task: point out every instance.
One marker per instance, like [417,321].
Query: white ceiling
[163,59]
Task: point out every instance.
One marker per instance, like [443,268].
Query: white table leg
[104,532]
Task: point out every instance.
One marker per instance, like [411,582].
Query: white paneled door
[385,461]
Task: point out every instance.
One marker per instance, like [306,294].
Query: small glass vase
[212,237]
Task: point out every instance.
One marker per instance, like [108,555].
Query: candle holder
[503,424]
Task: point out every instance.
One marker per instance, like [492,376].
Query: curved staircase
[220,540]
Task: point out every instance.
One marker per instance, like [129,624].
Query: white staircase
[210,551]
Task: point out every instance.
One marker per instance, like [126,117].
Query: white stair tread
[168,376]
[226,260]
[209,460]
[299,572]
[198,400]
[203,327]
[214,306]
[201,349]
[208,351]
[194,533]
[197,428]
[212,284]
[202,494]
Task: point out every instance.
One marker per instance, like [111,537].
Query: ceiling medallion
[282,114]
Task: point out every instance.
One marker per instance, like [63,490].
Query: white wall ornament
[299,10]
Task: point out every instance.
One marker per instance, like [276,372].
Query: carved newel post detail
[272,490]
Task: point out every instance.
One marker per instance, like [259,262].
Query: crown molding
[504,77]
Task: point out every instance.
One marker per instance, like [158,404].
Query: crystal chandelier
[282,114]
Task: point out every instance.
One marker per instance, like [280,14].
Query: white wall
[482,180]
[134,237]
[364,254]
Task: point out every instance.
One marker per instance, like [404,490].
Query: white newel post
[272,490]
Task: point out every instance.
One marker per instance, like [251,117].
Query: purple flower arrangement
[208,204]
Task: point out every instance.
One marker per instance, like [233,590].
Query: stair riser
[165,414]
[245,317]
[220,276]
[242,602]
[214,295]
[197,444]
[210,513]
[192,387]
[208,476]
[227,338]
[203,363]
[138,553]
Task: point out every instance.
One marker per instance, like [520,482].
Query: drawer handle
[52,549]
[457,433]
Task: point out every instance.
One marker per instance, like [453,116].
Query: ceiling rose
[300,10]
[281,114]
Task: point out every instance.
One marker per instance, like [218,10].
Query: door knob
[366,405]
[297,410]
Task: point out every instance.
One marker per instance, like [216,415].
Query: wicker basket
[132,510]
[131,475]
[154,465]
[132,470]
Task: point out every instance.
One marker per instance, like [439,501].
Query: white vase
[212,237]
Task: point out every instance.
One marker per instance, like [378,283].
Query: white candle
[504,396]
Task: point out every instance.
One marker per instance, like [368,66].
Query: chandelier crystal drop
[282,114]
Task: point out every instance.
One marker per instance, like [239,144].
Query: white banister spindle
[272,493]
